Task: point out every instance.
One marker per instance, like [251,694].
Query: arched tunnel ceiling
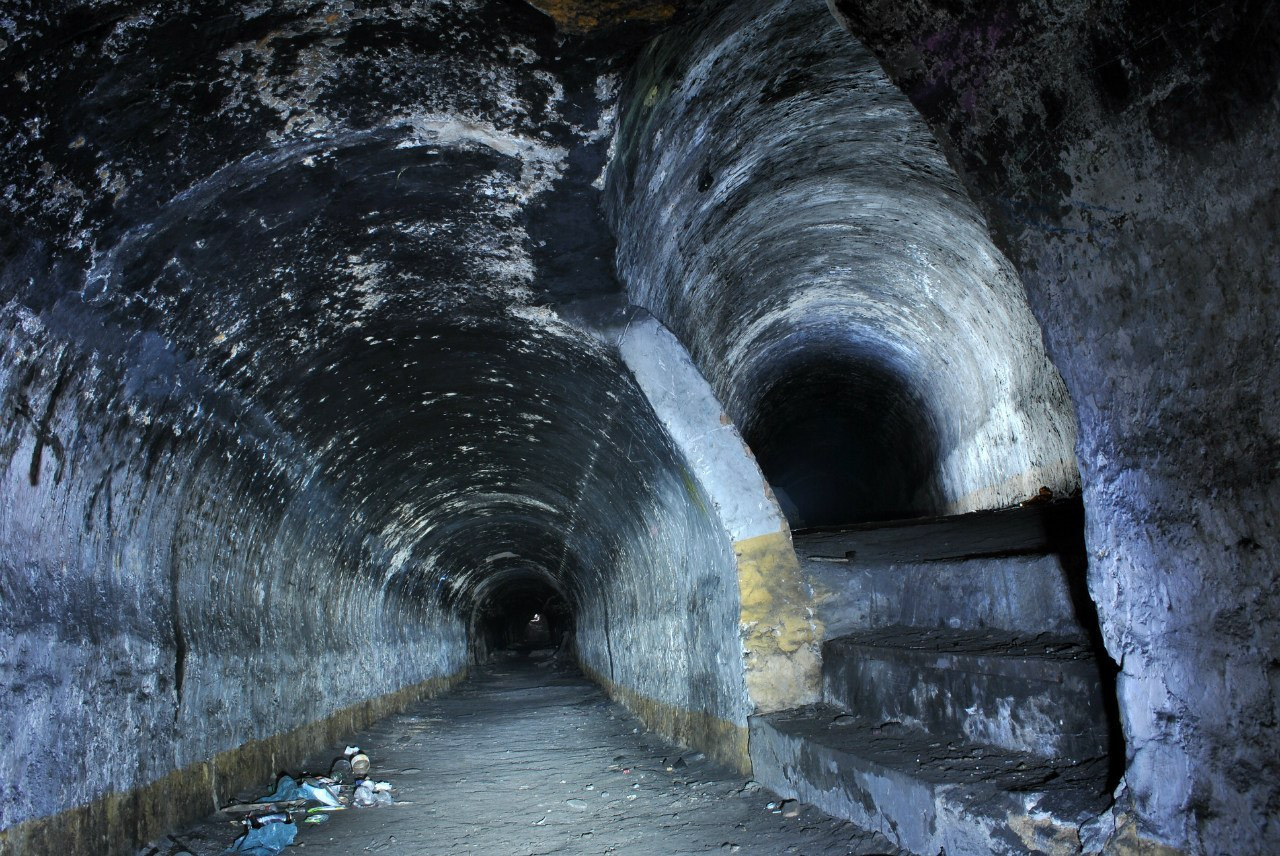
[347,231]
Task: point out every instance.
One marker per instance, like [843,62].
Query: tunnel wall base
[117,822]
[745,572]
[778,633]
[720,739]
[779,624]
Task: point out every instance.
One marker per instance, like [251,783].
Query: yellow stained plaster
[722,740]
[1045,835]
[583,16]
[1128,842]
[779,628]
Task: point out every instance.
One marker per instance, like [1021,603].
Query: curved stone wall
[311,346]
[284,294]
[178,582]
[782,207]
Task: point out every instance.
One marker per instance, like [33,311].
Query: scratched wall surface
[783,208]
[288,382]
[1126,156]
[178,577]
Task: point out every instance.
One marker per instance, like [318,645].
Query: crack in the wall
[40,426]
[175,623]
[608,636]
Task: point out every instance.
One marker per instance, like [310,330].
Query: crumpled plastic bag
[266,840]
[289,788]
[286,789]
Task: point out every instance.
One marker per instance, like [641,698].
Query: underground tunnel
[521,613]
[869,401]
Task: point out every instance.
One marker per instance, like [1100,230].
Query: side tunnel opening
[842,439]
[844,298]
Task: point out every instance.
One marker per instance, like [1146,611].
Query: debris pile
[271,822]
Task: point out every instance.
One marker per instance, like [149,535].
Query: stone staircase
[966,708]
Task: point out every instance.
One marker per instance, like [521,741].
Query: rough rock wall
[1126,155]
[784,210]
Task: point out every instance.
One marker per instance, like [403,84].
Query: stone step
[929,795]
[1041,695]
[1042,528]
[1027,594]
[1022,570]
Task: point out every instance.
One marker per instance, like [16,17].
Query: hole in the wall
[521,616]
[843,440]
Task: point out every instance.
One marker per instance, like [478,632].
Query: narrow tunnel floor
[527,757]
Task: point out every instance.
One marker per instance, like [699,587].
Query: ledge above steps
[1043,528]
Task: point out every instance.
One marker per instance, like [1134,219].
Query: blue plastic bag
[265,840]
[286,789]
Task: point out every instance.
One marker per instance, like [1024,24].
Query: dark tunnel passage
[520,613]
[731,351]
[293,385]
[843,440]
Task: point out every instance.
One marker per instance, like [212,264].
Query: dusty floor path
[527,759]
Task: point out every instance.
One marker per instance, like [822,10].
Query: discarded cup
[341,769]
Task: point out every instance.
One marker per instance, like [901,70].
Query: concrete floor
[528,757]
